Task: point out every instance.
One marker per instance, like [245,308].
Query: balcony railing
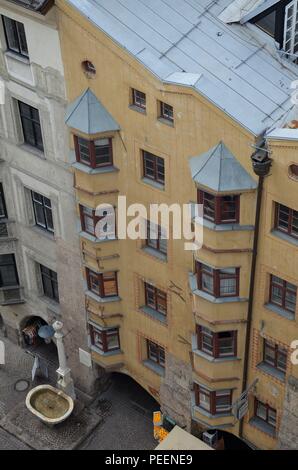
[11,295]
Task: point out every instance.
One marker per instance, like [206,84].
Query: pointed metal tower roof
[220,171]
[88,115]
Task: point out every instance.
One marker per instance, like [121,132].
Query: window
[218,345]
[138,99]
[283,294]
[220,209]
[156,353]
[286,220]
[3,212]
[214,402]
[104,284]
[43,212]
[156,238]
[94,153]
[275,356]
[156,299]
[49,283]
[31,125]
[218,282]
[166,112]
[267,23]
[8,271]
[88,220]
[153,167]
[105,340]
[265,413]
[290,44]
[15,36]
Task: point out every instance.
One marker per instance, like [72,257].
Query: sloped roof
[226,63]
[88,115]
[220,171]
[41,6]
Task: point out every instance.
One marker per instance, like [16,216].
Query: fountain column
[65,381]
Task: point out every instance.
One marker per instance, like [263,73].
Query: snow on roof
[184,42]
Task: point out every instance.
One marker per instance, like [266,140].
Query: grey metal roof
[87,114]
[220,171]
[179,40]
[41,6]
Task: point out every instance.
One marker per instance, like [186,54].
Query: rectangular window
[31,125]
[286,220]
[8,271]
[105,340]
[265,413]
[283,294]
[50,283]
[218,345]
[220,209]
[15,36]
[156,353]
[43,212]
[89,223]
[156,299]
[153,167]
[3,212]
[94,153]
[218,282]
[104,284]
[275,356]
[156,238]
[214,402]
[138,99]
[166,112]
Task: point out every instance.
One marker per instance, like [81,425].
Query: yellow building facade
[189,351]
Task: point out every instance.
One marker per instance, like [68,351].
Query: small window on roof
[267,23]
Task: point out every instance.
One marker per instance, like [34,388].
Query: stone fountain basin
[49,404]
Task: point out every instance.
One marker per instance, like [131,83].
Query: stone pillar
[65,382]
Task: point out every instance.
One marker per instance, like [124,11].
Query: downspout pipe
[261,166]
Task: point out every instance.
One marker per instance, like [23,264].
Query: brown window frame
[100,280]
[213,397]
[216,274]
[138,99]
[157,163]
[215,342]
[166,112]
[268,409]
[156,243]
[90,144]
[160,353]
[291,215]
[218,210]
[104,338]
[95,219]
[284,287]
[159,297]
[278,352]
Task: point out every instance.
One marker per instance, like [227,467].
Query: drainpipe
[261,165]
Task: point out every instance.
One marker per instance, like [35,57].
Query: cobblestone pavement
[9,442]
[127,418]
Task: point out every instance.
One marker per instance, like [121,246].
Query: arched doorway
[34,344]
[224,440]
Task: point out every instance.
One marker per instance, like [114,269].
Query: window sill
[33,150]
[267,369]
[51,304]
[138,109]
[215,359]
[154,184]
[14,55]
[211,416]
[221,227]
[155,254]
[154,367]
[165,121]
[209,297]
[154,314]
[102,300]
[285,237]
[93,239]
[43,231]
[262,426]
[279,311]
[116,352]
[94,171]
